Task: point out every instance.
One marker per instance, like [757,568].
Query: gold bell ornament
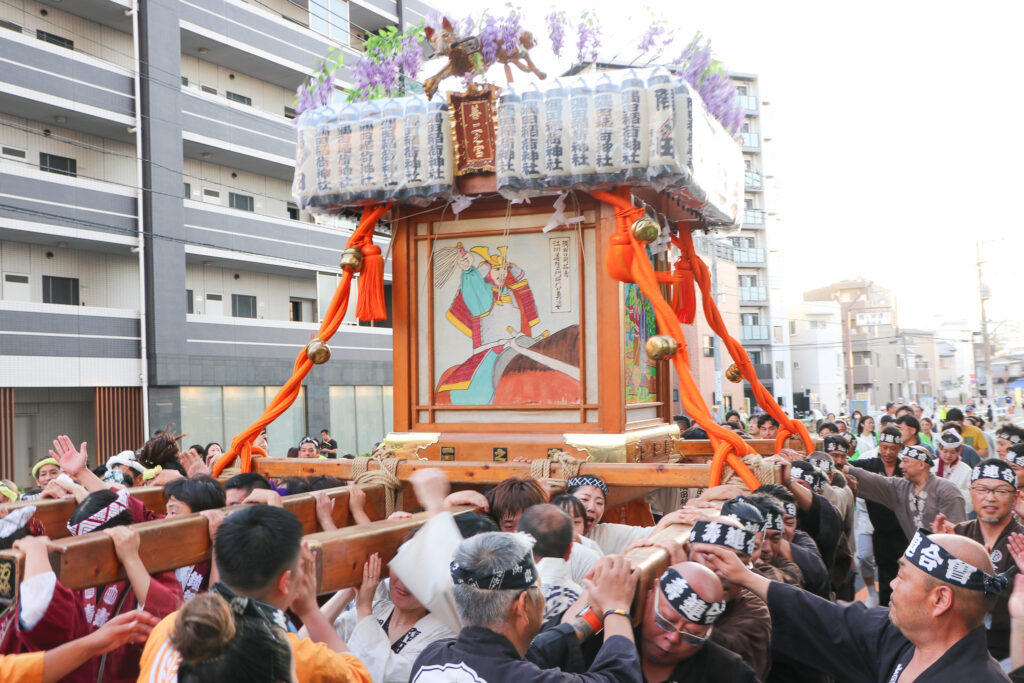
[733,374]
[646,229]
[660,347]
[318,352]
[351,259]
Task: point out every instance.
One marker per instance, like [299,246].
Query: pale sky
[895,143]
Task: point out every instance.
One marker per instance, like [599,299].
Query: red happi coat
[73,614]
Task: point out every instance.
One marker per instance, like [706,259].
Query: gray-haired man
[501,607]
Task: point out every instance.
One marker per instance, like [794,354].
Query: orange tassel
[371,305]
[684,301]
[620,257]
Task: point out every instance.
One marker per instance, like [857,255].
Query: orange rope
[241,445]
[729,445]
[702,275]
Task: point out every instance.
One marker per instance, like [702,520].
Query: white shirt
[560,591]
[424,563]
[581,559]
[613,538]
[369,641]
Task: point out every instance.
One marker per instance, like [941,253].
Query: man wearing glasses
[993,492]
[679,615]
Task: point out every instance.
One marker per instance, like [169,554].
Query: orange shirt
[314,662]
[25,668]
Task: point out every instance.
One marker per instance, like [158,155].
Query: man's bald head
[550,527]
[701,579]
[971,605]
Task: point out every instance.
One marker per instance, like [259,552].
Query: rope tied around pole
[386,475]
[540,469]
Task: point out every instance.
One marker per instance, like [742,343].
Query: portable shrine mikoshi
[542,264]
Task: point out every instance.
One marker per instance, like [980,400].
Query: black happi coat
[481,654]
[854,643]
[711,663]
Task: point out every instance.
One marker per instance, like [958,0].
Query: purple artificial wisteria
[588,39]
[711,81]
[556,31]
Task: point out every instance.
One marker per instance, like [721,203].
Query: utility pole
[983,295]
[716,343]
[845,308]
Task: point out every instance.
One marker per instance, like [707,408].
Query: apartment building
[153,268]
[885,361]
[758,298]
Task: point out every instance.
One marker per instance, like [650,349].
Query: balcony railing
[711,247]
[754,332]
[753,217]
[763,370]
[752,180]
[749,103]
[752,140]
[753,294]
[748,255]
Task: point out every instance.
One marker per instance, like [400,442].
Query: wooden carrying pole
[642,475]
[169,543]
[54,514]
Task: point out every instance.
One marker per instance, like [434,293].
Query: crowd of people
[534,585]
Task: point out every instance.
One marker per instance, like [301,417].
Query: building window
[361,416]
[242,202]
[709,346]
[188,190]
[293,212]
[741,90]
[13,152]
[796,365]
[219,413]
[208,89]
[235,97]
[748,319]
[184,80]
[777,333]
[755,357]
[290,113]
[243,306]
[792,327]
[295,310]
[60,290]
[190,301]
[211,194]
[780,370]
[10,25]
[748,281]
[330,17]
[53,39]
[58,164]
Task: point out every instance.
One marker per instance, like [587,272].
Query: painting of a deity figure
[506,330]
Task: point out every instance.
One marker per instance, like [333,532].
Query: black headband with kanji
[994,470]
[725,535]
[685,600]
[937,562]
[522,575]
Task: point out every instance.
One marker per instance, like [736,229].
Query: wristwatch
[588,615]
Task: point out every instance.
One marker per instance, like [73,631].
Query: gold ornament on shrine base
[660,347]
[733,374]
[351,259]
[318,352]
[646,229]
